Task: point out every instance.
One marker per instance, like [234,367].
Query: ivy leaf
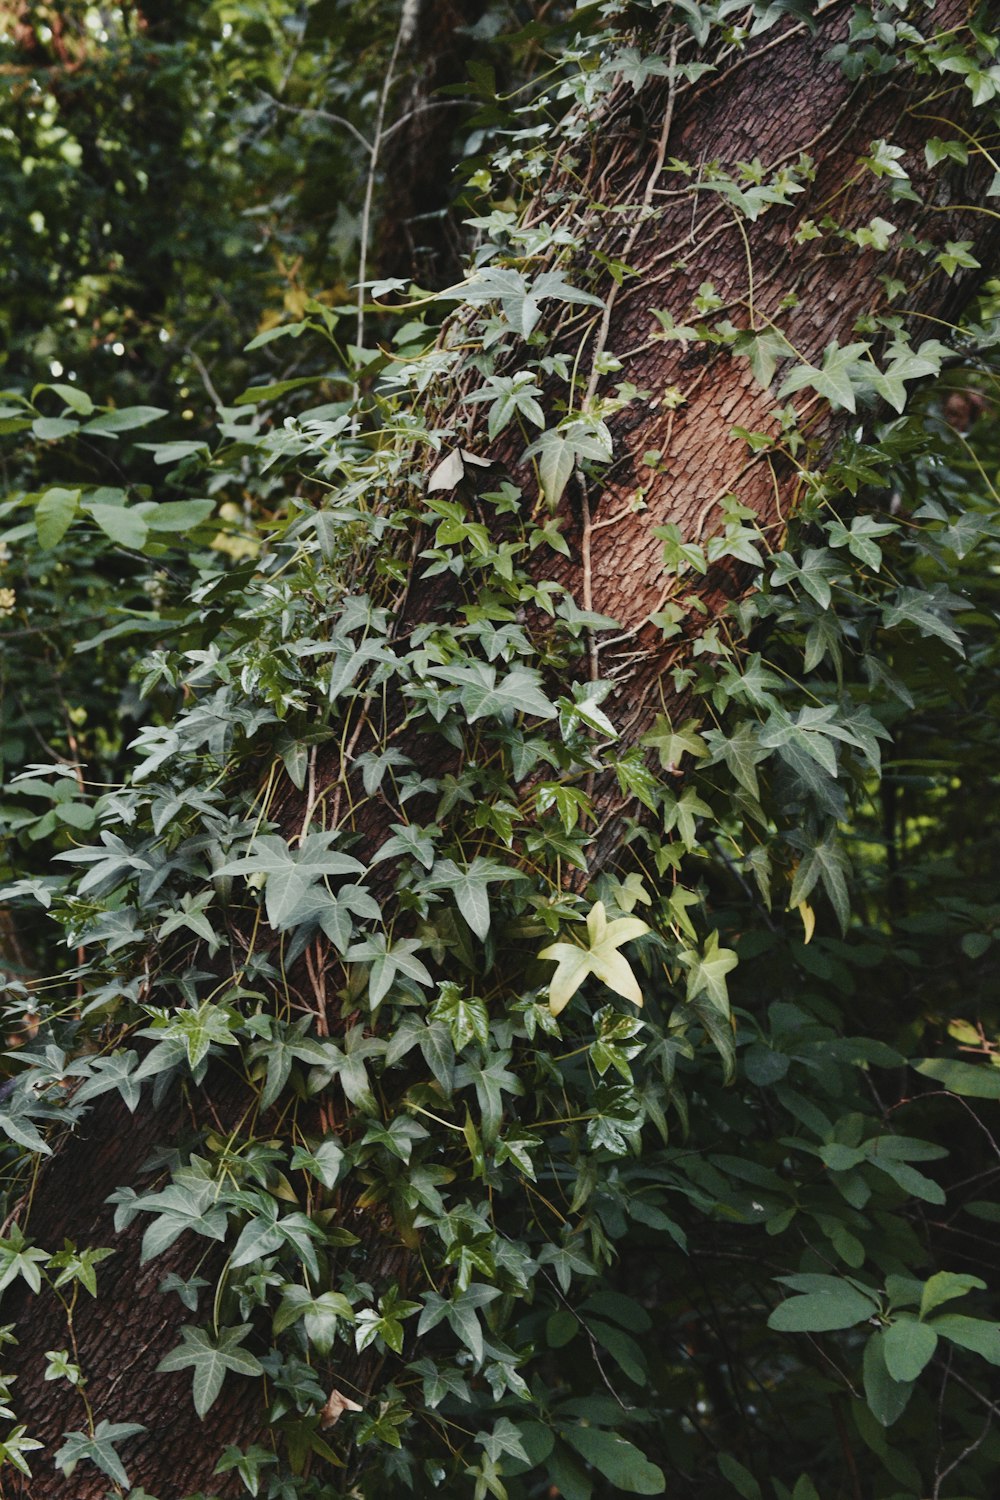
[18,1258]
[826,861]
[742,752]
[907,364]
[518,295]
[112,1072]
[707,972]
[465,1016]
[471,887]
[210,1361]
[673,744]
[386,962]
[99,1449]
[509,395]
[763,350]
[925,609]
[505,1438]
[601,958]
[189,1202]
[490,1082]
[556,461]
[291,872]
[636,779]
[16,1445]
[559,448]
[844,369]
[483,696]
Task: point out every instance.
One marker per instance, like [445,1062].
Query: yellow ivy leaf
[808,916]
[601,958]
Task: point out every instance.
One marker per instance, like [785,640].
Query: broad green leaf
[975,1334]
[887,1398]
[836,1304]
[621,1463]
[124,419]
[255,393]
[74,398]
[50,429]
[945,1285]
[739,1477]
[908,1345]
[54,514]
[174,515]
[973,1080]
[125,528]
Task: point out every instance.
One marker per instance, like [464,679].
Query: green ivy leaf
[210,1361]
[291,873]
[98,1449]
[707,972]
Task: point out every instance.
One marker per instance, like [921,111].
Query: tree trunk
[778,98]
[419,235]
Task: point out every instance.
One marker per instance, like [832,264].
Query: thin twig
[421,109]
[404,28]
[206,378]
[320,114]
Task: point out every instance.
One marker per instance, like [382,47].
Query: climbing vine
[441,908]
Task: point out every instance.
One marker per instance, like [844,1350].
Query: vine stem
[403,32]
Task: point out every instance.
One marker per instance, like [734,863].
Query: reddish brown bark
[779,98]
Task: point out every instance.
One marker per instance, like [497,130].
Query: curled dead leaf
[336,1404]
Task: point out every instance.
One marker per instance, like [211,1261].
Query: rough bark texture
[778,99]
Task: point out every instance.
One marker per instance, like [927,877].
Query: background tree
[572,640]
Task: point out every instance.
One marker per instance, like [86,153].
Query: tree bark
[419,235]
[777,99]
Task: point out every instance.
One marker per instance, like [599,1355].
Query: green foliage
[351,842]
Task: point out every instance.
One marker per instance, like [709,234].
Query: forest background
[498,699]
